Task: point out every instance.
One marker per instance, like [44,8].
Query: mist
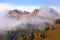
[8,23]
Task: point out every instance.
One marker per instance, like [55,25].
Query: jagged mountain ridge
[44,12]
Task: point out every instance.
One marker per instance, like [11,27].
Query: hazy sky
[31,2]
[27,4]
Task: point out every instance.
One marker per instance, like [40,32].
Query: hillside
[54,34]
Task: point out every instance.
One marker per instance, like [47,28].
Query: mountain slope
[54,34]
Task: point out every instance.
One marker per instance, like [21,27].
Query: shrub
[47,28]
[43,34]
[19,38]
[32,36]
[26,37]
[57,21]
[2,38]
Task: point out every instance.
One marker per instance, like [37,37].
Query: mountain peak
[48,12]
[34,12]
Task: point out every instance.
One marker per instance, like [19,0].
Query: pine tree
[43,34]
[32,36]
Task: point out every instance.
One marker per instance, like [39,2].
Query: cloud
[6,6]
[52,2]
[57,8]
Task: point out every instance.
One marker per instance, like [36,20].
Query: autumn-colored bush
[2,38]
[26,37]
[19,38]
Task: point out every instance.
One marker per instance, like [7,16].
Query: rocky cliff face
[17,13]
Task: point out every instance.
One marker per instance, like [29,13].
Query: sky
[27,4]
[31,2]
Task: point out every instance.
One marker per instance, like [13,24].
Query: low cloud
[57,8]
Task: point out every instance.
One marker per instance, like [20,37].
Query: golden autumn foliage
[54,34]
[37,36]
[2,38]
[26,37]
[19,38]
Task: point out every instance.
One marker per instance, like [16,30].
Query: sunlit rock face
[33,13]
[17,13]
[38,18]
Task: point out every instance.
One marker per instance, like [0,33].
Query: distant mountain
[17,13]
[48,12]
[26,12]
